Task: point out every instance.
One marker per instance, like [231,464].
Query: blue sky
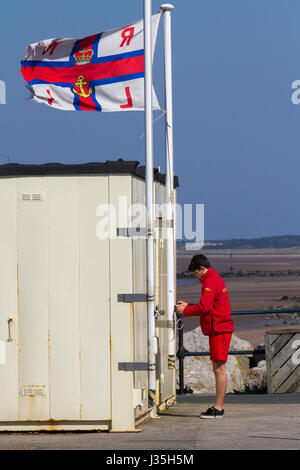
[236,131]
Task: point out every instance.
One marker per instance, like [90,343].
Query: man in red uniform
[216,323]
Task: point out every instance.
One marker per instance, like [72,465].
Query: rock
[257,377]
[198,373]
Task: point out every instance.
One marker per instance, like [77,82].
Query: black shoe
[212,413]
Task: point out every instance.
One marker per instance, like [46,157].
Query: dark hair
[197,261]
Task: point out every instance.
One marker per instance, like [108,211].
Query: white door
[64,300]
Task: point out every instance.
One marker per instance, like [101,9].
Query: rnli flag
[102,72]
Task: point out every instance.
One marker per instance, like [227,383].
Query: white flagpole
[152,346]
[166,9]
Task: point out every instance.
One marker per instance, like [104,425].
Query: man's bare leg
[219,369]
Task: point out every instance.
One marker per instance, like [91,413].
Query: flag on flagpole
[102,72]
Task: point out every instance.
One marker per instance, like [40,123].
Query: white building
[71,336]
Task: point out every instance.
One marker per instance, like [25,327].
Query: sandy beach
[254,293]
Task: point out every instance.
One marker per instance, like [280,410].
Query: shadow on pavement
[244,398]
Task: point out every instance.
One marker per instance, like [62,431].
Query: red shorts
[219,346]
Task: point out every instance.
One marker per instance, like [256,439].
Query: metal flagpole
[166,9]
[152,345]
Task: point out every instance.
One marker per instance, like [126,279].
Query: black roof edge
[110,166]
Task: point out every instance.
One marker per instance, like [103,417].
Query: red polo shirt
[214,306]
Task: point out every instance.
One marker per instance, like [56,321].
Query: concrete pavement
[251,421]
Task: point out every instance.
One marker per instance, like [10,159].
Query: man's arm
[205,304]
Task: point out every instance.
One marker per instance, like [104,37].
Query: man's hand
[181,305]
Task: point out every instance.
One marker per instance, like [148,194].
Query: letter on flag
[102,72]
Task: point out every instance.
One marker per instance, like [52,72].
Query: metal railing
[182,352]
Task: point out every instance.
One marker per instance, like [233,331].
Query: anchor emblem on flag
[80,83]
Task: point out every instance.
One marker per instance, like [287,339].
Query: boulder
[257,377]
[198,373]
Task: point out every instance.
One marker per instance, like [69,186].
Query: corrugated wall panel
[140,325]
[94,302]
[9,404]
[64,298]
[167,376]
[33,298]
[121,313]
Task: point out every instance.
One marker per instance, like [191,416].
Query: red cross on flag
[102,72]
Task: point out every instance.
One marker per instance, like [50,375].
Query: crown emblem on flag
[84,56]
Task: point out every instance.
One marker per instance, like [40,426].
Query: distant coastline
[230,274]
[277,242]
